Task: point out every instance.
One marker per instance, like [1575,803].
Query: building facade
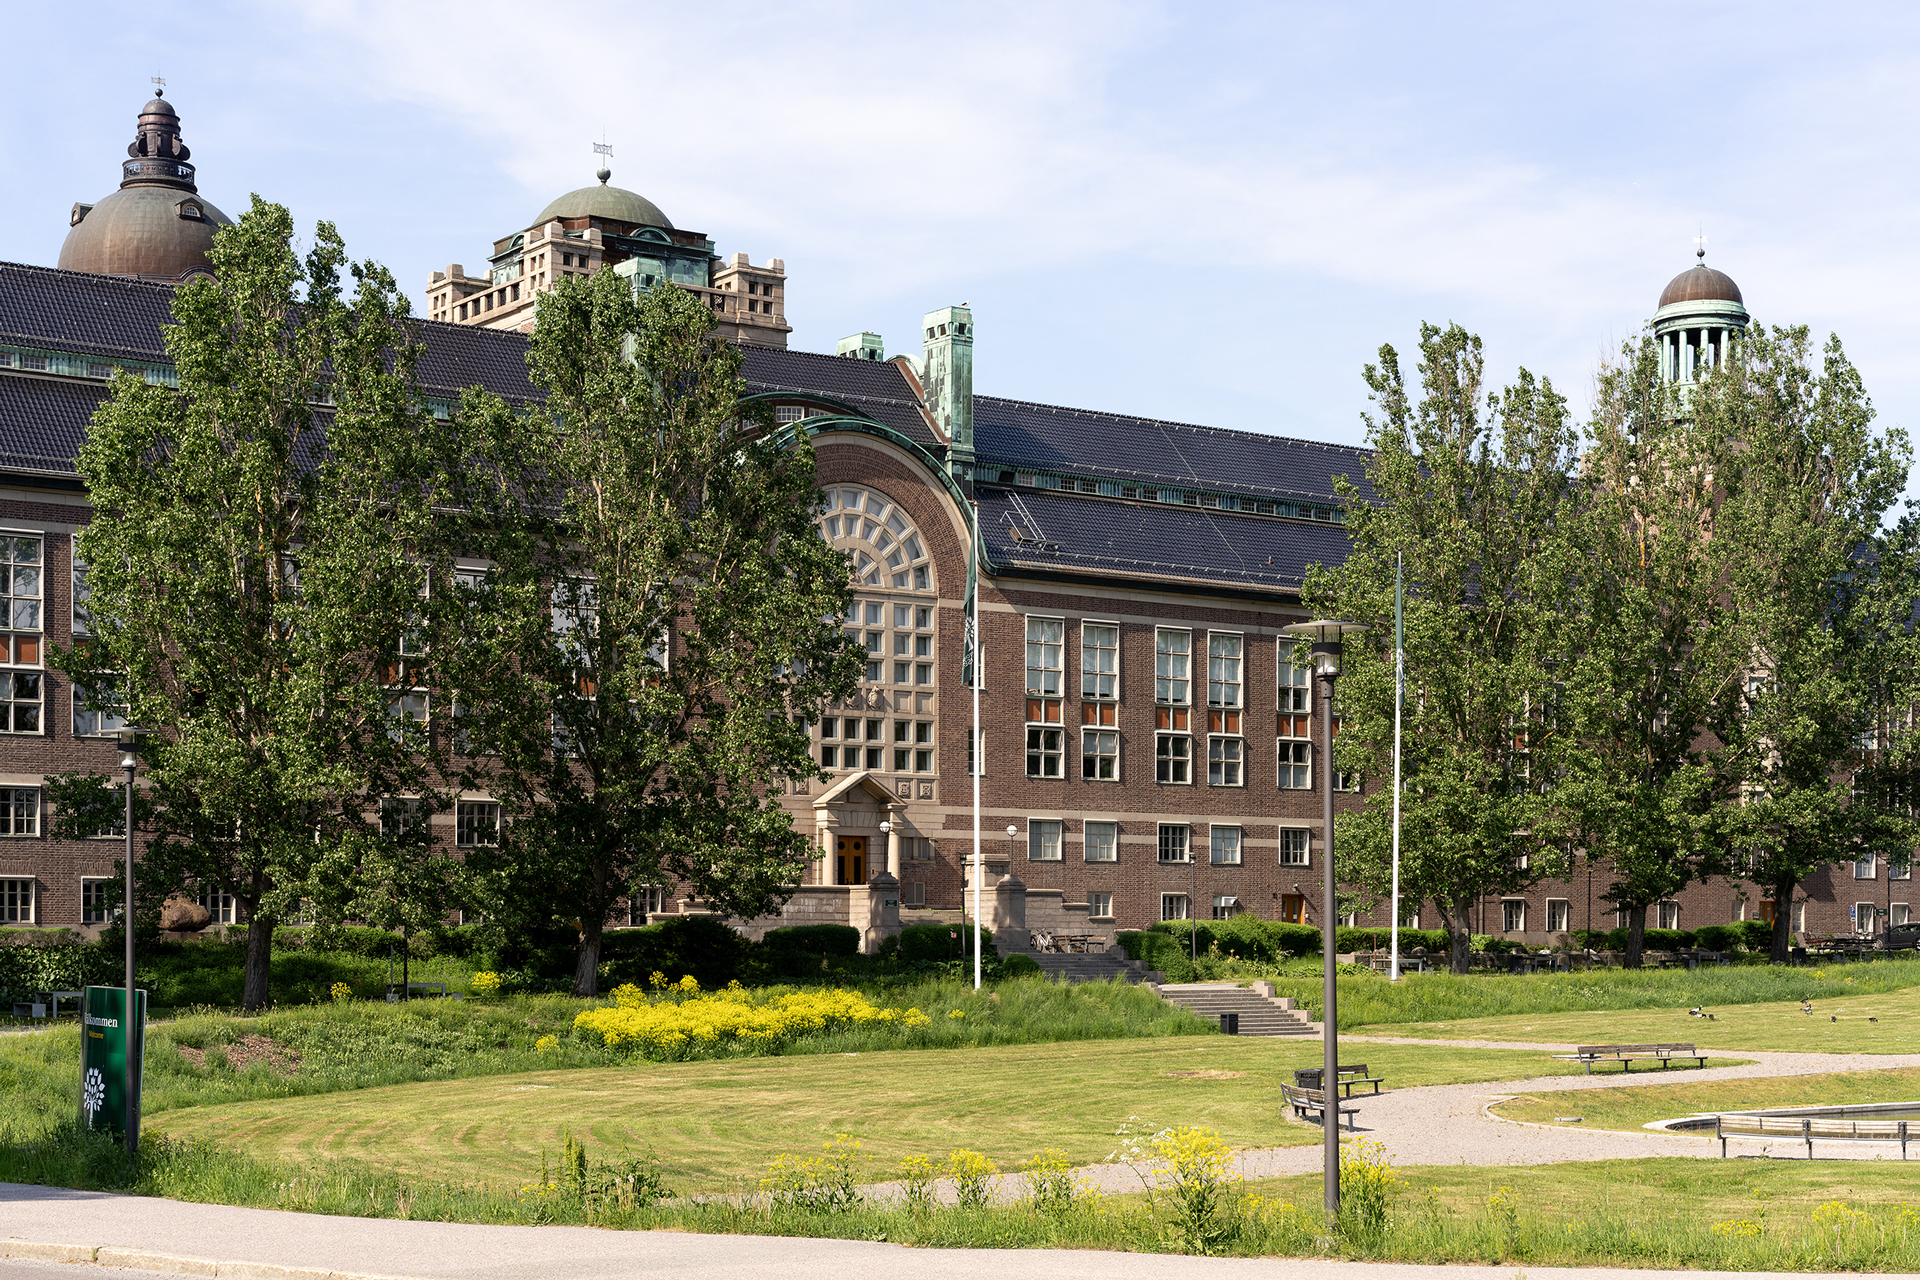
[1147,750]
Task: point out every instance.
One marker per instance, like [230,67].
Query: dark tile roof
[1114,446]
[44,420]
[875,387]
[1150,540]
[457,356]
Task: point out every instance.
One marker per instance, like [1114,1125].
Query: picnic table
[1625,1054]
[1304,1100]
[393,990]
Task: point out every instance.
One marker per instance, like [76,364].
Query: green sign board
[104,1031]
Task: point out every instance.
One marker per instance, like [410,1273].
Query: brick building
[1143,732]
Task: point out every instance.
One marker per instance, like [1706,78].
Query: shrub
[699,945]
[1755,935]
[1020,966]
[814,939]
[923,943]
[485,985]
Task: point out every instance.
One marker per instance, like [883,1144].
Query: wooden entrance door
[852,855]
[1293,908]
[1767,912]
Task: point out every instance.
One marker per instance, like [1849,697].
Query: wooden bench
[1315,1100]
[1806,1129]
[1624,1054]
[1348,1077]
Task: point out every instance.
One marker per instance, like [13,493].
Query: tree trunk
[256,994]
[1636,933]
[1459,923]
[1783,919]
[586,975]
[406,974]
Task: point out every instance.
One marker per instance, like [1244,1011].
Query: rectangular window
[1899,866]
[1172,758]
[1865,914]
[1296,700]
[1225,756]
[1101,841]
[902,672]
[1668,915]
[19,811]
[1223,670]
[829,756]
[923,761]
[645,900]
[1863,866]
[976,760]
[1099,661]
[1799,921]
[1294,846]
[1175,838]
[221,905]
[1043,841]
[915,893]
[1045,650]
[1226,846]
[476,822]
[21,691]
[16,901]
[98,709]
[1899,914]
[1100,755]
[1043,752]
[95,901]
[1296,765]
[1172,656]
[1225,906]
[1100,906]
[1173,906]
[923,673]
[1513,915]
[1559,914]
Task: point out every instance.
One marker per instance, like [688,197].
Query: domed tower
[156,226]
[1700,313]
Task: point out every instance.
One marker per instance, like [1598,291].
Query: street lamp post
[1012,832]
[128,737]
[1326,635]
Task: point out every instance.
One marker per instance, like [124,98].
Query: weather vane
[604,150]
[1700,247]
[160,86]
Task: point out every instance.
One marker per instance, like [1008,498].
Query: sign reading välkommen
[104,1032]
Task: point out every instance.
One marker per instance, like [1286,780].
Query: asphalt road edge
[170,1264]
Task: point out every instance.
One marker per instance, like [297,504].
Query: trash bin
[1230,1024]
[1306,1077]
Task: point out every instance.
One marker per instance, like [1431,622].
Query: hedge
[814,939]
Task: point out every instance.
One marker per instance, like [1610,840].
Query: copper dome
[1701,284]
[156,225]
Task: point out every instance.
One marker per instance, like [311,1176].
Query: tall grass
[1504,1225]
[1370,1000]
[361,1044]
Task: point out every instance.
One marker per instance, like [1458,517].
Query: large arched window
[887,550]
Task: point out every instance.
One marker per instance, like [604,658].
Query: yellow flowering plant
[678,1019]
[484,985]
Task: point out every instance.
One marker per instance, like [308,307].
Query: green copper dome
[616,204]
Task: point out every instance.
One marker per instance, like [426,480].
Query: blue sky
[1210,213]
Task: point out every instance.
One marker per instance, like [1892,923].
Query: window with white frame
[1865,915]
[887,549]
[1173,752]
[1294,846]
[1559,913]
[1668,915]
[1226,755]
[1100,906]
[96,900]
[99,709]
[1799,924]
[1101,841]
[222,906]
[1099,748]
[1296,698]
[1173,723]
[1224,844]
[1899,913]
[22,682]
[1043,750]
[1172,659]
[1100,661]
[1043,840]
[16,900]
[646,900]
[1173,906]
[1513,915]
[19,811]
[1296,765]
[1175,842]
[476,823]
[1349,920]
[976,760]
[1224,653]
[1900,866]
[1225,906]
[1864,867]
[1046,647]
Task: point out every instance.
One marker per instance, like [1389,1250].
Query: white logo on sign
[93,1093]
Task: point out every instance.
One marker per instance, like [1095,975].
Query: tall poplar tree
[1472,489]
[262,535]
[659,621]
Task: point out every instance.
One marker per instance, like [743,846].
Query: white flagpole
[978,755]
[1399,697]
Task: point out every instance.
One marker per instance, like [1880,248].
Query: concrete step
[1260,1015]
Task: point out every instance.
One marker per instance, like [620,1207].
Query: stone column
[1009,923]
[893,844]
[883,912]
[829,865]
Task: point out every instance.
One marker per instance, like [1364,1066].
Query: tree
[1820,742]
[659,621]
[1474,495]
[261,535]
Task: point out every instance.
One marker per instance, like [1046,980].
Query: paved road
[347,1247]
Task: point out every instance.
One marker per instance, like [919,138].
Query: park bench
[1348,1077]
[1315,1100]
[1625,1054]
[1806,1129]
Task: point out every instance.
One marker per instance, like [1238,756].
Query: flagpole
[976,754]
[1399,699]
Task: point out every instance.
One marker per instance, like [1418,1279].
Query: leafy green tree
[659,620]
[1820,743]
[1472,489]
[262,533]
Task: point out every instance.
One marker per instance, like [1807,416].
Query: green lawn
[715,1122]
[1641,1105]
[1778,1025]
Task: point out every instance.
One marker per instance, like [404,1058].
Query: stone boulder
[181,915]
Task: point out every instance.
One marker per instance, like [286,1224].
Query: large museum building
[1146,752]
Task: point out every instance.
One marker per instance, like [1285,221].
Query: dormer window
[190,211]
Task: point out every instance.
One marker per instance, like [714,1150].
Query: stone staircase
[1261,1014]
[1101,966]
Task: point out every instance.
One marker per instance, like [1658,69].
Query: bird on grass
[1695,1012]
[1806,1006]
[1711,1018]
[1831,1018]
[1873,1019]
